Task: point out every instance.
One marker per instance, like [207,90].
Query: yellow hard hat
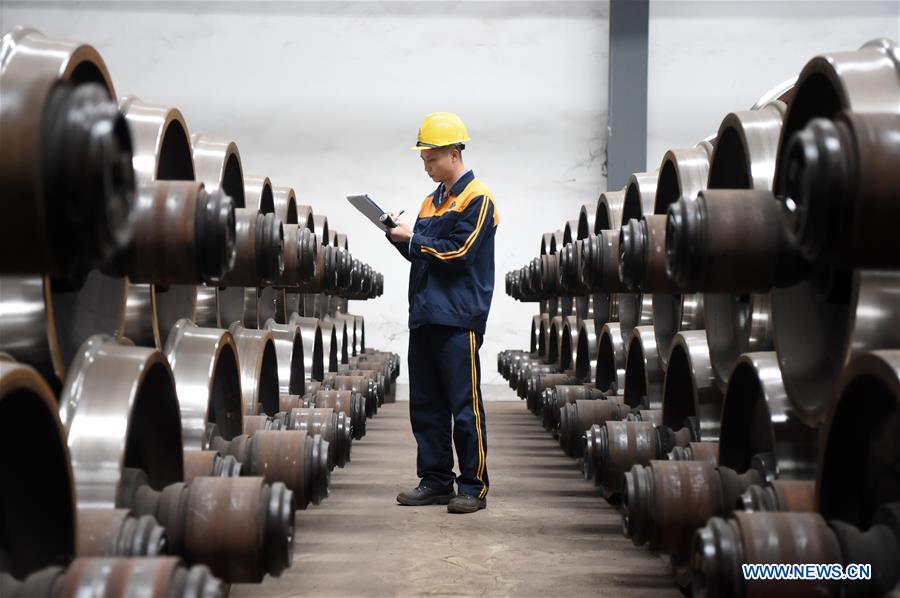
[440,129]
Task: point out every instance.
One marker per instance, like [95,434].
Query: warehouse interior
[691,361]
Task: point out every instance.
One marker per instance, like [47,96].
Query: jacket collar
[457,188]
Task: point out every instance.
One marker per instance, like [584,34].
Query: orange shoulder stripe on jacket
[426,207]
[471,239]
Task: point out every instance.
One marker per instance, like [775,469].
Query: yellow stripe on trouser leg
[480,470]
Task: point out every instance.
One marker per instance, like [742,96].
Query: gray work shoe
[465,503]
[421,496]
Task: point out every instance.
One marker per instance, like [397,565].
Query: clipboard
[370,210]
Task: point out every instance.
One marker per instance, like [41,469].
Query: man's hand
[400,233]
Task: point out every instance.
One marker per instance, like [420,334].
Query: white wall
[327,97]
[711,58]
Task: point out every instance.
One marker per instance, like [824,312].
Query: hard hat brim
[426,147]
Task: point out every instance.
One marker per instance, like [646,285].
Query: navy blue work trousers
[445,395]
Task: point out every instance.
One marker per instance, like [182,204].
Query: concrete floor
[546,532]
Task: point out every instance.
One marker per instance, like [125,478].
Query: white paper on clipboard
[369,209]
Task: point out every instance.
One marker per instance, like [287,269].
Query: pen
[401,213]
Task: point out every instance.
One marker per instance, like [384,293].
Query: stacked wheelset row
[718,343]
[178,370]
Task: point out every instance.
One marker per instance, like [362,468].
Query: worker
[451,282]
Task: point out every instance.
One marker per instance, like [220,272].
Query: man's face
[438,163]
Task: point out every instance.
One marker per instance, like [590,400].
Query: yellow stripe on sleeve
[446,255]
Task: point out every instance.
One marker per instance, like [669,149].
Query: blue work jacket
[451,279]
